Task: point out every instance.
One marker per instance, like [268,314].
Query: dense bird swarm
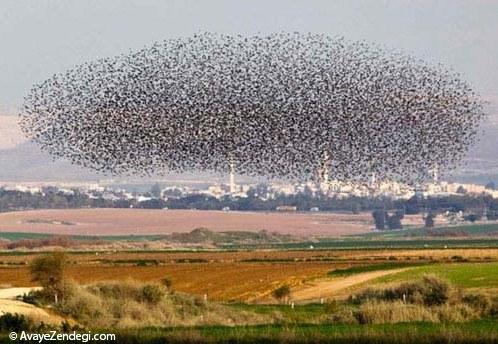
[283,105]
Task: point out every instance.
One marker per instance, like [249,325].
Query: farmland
[465,275]
[462,231]
[237,288]
[140,222]
[149,222]
[251,275]
[221,281]
[227,274]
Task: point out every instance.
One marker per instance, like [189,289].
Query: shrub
[131,304]
[167,282]
[344,316]
[382,312]
[43,297]
[118,290]
[459,259]
[332,306]
[493,309]
[152,293]
[434,291]
[456,313]
[33,297]
[141,263]
[200,302]
[367,295]
[15,322]
[281,292]
[479,302]
[375,312]
[429,291]
[83,306]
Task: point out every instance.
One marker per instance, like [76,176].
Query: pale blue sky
[41,37]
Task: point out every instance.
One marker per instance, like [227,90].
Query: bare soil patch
[149,221]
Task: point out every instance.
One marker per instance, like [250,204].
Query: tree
[429,220]
[492,215]
[394,220]
[252,193]
[490,185]
[155,191]
[48,271]
[471,218]
[355,208]
[412,205]
[152,204]
[379,217]
[281,292]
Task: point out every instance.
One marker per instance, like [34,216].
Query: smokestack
[373,180]
[435,175]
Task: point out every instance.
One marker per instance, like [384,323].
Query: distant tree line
[387,210]
[18,200]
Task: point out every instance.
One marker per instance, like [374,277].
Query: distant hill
[481,163]
[26,162]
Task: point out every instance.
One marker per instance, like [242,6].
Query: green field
[472,230]
[375,243]
[311,313]
[464,275]
[421,333]
[466,236]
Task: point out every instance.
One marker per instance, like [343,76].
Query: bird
[283,105]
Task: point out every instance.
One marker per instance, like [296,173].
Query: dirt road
[12,293]
[9,304]
[332,287]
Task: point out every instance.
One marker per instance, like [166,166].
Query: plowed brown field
[220,281]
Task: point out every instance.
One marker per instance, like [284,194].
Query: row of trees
[385,220]
[476,205]
[471,210]
[18,200]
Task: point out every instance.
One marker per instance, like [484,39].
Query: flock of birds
[282,105]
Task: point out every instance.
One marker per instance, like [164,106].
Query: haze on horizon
[40,38]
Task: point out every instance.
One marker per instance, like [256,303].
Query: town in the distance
[448,202]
